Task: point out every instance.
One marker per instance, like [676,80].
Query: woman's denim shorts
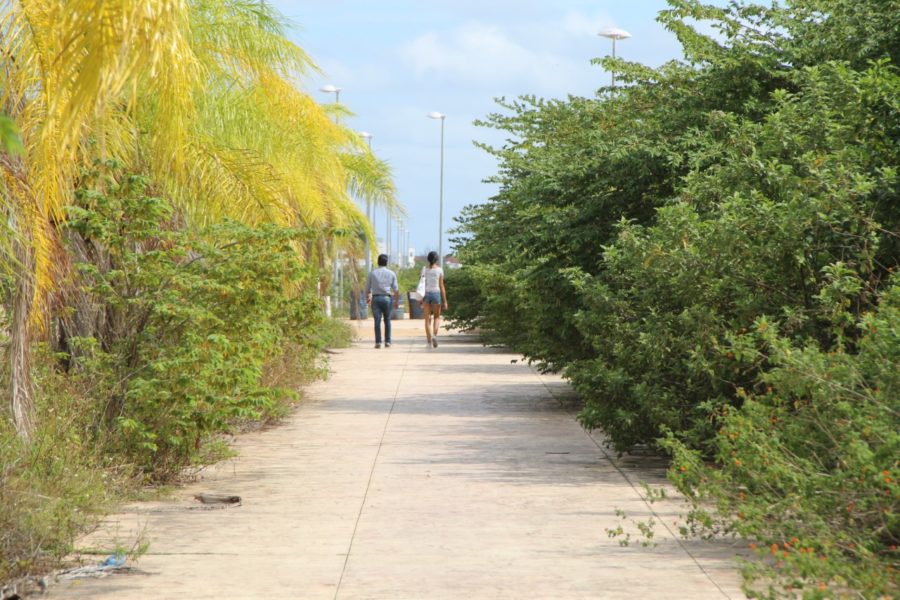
[432,298]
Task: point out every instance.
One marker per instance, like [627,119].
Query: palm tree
[200,94]
[70,71]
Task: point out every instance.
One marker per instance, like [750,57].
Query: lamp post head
[365,135]
[436,115]
[329,89]
[614,33]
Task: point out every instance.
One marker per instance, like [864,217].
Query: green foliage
[164,338]
[647,241]
[54,488]
[794,238]
[167,338]
[408,279]
[191,318]
[165,335]
[463,298]
[10,138]
[808,468]
[855,32]
[333,333]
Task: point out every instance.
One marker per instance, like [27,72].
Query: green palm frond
[370,180]
[10,139]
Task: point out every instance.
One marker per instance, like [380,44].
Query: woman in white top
[435,298]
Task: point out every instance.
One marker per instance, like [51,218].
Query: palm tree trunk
[21,400]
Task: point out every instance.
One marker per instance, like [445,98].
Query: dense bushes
[54,488]
[178,325]
[807,468]
[780,220]
[701,252]
[163,338]
[165,320]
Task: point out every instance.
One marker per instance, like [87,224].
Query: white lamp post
[614,33]
[387,234]
[400,242]
[331,89]
[437,115]
[406,250]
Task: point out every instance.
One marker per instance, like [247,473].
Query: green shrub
[332,333]
[637,237]
[58,486]
[808,468]
[163,339]
[408,279]
[795,224]
[463,299]
[190,319]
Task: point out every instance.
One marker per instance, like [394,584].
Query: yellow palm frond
[200,93]
[69,63]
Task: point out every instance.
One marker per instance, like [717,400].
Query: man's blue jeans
[381,308]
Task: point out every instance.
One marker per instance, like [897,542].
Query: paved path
[415,474]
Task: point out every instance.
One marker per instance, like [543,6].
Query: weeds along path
[456,472]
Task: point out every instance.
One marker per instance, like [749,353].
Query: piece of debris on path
[207,498]
[114,563]
[94,571]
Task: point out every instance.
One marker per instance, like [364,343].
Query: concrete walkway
[415,473]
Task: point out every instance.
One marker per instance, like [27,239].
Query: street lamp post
[614,33]
[387,233]
[442,117]
[406,246]
[400,243]
[368,137]
[331,89]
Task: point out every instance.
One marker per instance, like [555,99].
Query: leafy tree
[197,94]
[702,251]
[759,231]
[807,468]
[177,325]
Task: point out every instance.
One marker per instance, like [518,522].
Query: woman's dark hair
[432,257]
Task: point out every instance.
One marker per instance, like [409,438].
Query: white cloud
[578,24]
[485,55]
[364,77]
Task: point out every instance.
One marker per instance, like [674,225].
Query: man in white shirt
[382,294]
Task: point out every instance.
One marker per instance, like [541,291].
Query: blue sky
[397,60]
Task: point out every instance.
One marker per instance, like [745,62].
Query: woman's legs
[436,309]
[426,310]
[431,304]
